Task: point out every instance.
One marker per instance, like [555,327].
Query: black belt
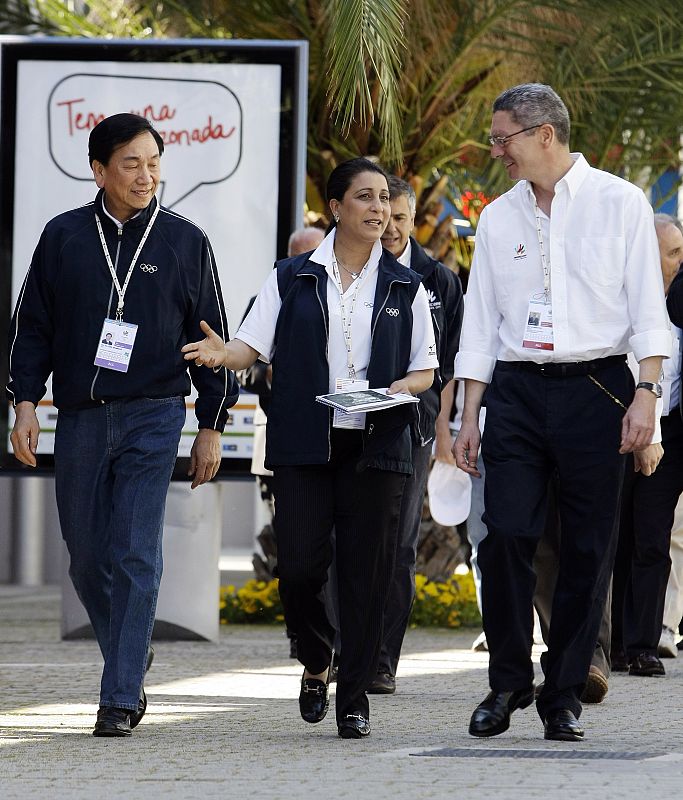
[562,369]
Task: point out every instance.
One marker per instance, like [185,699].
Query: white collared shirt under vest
[258,328]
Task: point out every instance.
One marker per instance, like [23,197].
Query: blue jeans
[113,465]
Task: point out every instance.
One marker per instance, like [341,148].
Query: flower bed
[448,605]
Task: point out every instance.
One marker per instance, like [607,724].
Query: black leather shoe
[647,665]
[112,722]
[136,716]
[382,683]
[562,726]
[354,726]
[314,698]
[619,661]
[492,716]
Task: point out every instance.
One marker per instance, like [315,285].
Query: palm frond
[365,46]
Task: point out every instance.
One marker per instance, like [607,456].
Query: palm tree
[412,82]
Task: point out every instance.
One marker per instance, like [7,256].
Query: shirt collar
[572,179]
[117,222]
[404,258]
[324,254]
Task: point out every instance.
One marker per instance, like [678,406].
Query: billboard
[232,117]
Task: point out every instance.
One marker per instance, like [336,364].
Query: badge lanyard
[346,321]
[544,260]
[121,290]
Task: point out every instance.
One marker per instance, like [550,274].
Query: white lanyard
[121,290]
[544,260]
[346,321]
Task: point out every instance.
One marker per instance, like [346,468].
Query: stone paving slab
[223,722]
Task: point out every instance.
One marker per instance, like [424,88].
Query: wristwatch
[655,388]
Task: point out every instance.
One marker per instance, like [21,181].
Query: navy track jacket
[68,292]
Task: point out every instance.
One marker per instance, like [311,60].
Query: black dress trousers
[536,424]
[642,566]
[402,591]
[363,508]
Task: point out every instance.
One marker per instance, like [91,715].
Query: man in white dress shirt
[565,282]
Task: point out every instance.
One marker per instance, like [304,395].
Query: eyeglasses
[501,141]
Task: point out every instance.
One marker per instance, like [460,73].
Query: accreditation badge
[342,419]
[538,333]
[116,345]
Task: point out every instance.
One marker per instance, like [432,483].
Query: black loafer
[136,716]
[647,665]
[492,716]
[314,698]
[382,683]
[562,726]
[112,722]
[354,726]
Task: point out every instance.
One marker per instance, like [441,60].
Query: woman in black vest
[346,315]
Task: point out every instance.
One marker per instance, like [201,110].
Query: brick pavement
[223,722]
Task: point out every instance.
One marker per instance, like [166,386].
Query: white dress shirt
[605,279]
[258,328]
[405,256]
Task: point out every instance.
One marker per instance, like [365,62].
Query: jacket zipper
[372,336]
[327,357]
[111,294]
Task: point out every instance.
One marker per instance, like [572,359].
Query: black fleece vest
[298,430]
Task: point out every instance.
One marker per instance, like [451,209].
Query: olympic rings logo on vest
[148,268]
[392,312]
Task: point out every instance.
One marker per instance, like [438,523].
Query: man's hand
[210,352]
[205,457]
[466,448]
[25,433]
[646,460]
[638,424]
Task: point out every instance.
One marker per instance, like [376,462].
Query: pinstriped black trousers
[363,508]
[537,426]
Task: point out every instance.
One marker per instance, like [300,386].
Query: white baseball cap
[450,493]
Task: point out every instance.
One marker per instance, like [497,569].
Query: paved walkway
[223,723]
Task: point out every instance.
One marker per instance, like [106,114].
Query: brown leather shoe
[596,686]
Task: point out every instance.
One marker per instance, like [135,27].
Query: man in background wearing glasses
[565,281]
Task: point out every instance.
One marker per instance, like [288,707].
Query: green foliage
[256,602]
[449,605]
[412,82]
[446,605]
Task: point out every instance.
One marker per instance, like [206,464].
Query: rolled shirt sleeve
[651,334]
[423,353]
[258,328]
[479,338]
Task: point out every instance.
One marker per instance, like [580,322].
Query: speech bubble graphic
[199,121]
